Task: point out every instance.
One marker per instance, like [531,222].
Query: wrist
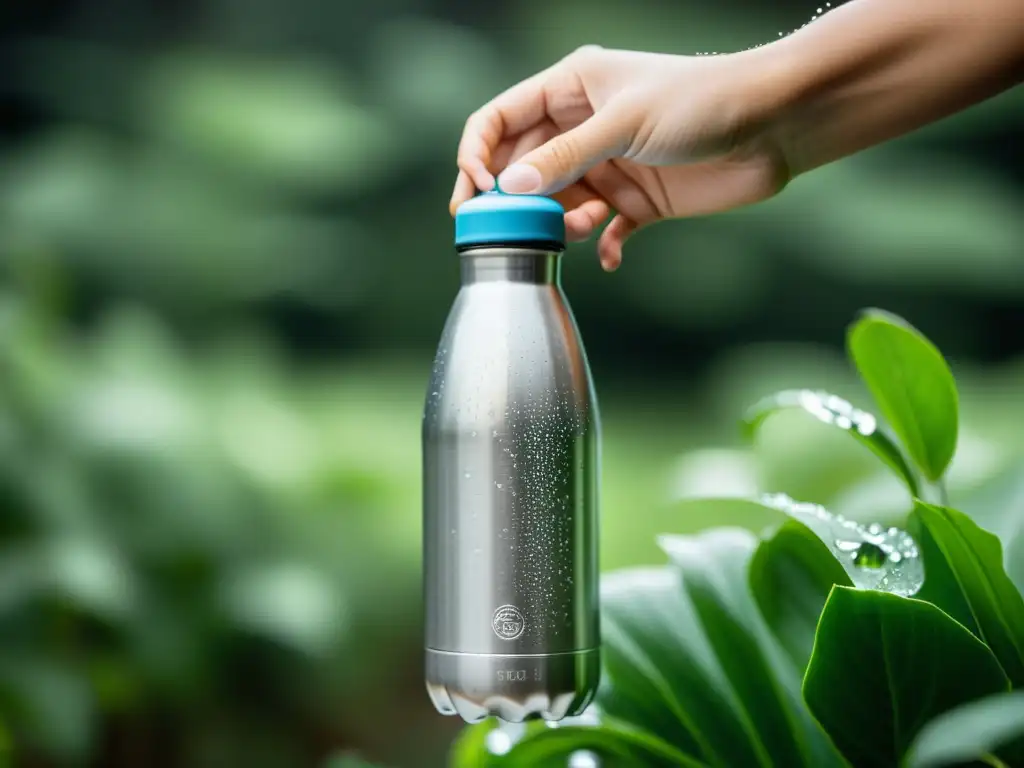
[764,97]
[872,70]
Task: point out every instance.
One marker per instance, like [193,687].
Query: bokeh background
[225,258]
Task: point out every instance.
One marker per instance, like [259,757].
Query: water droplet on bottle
[466,475]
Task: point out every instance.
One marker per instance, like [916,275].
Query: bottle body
[511,453]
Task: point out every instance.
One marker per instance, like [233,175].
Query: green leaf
[964,576]
[616,746]
[661,672]
[714,567]
[715,571]
[995,506]
[912,384]
[834,410]
[884,665]
[470,747]
[994,725]
[791,575]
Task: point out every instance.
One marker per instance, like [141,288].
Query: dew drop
[869,555]
[874,557]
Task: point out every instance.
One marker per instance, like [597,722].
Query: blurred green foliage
[226,257]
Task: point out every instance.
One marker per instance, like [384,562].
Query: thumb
[565,158]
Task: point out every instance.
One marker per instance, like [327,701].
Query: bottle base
[513,687]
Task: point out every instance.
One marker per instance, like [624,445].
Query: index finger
[518,109]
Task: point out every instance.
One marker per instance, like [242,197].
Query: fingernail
[519,179]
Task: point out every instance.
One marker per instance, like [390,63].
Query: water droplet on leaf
[869,555]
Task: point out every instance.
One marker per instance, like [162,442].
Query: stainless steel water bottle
[510,478]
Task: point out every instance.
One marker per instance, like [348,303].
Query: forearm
[875,69]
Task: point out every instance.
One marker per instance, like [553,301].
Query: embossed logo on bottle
[508,622]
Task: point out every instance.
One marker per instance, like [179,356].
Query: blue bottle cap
[495,218]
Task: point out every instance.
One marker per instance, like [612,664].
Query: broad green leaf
[834,410]
[470,747]
[662,673]
[994,725]
[615,746]
[998,506]
[964,576]
[884,665]
[912,385]
[791,575]
[940,582]
[714,568]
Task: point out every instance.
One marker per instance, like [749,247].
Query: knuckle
[476,119]
[563,155]
[585,54]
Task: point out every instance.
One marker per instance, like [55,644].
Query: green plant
[818,642]
[181,542]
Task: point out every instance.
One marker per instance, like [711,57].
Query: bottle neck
[510,265]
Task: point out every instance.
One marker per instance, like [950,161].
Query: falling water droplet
[501,740]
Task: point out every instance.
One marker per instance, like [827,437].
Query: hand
[648,136]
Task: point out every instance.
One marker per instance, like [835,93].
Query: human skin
[650,136]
